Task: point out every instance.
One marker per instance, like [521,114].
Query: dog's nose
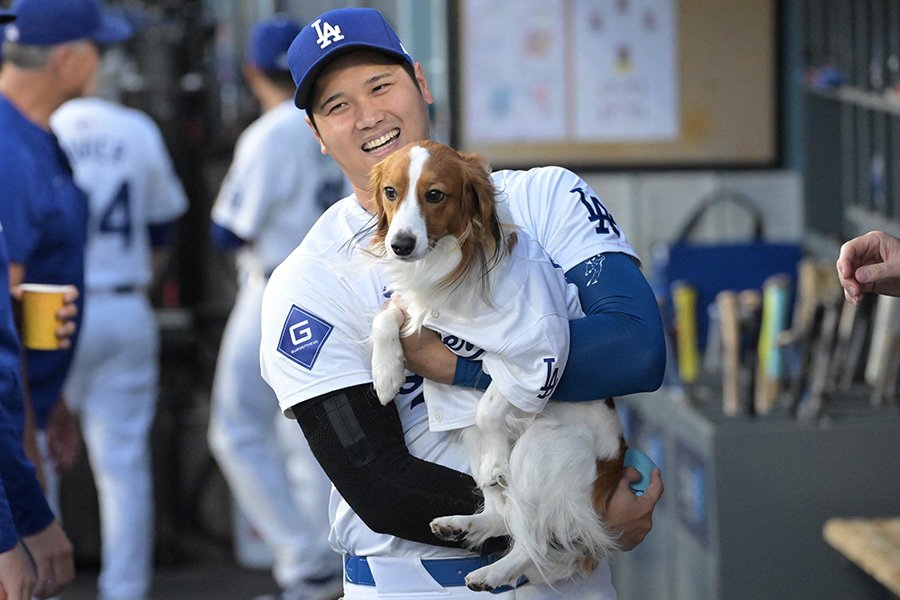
[403,244]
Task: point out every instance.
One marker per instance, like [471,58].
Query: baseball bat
[886,322]
[884,392]
[776,306]
[812,406]
[684,300]
[816,285]
[730,329]
[712,354]
[881,368]
[860,335]
[749,317]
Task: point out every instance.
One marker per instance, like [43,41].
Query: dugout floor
[201,582]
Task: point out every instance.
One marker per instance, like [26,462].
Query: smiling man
[395,470]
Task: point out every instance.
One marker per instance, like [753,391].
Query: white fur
[536,471]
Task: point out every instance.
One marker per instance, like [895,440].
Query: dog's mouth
[381,142]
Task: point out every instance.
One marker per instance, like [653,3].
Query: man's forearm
[361,448]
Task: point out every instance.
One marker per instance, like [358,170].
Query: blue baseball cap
[334,34]
[268,43]
[49,22]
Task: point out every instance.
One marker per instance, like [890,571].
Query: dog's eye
[434,196]
[390,193]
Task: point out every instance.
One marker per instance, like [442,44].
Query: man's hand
[870,263]
[629,515]
[54,562]
[66,314]
[16,576]
[63,439]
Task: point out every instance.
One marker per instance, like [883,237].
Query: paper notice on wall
[626,57]
[569,70]
[514,70]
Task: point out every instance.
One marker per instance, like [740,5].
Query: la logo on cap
[327,34]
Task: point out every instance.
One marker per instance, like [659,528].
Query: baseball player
[35,554]
[50,54]
[365,97]
[277,186]
[121,162]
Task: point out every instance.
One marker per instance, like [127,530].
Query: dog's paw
[387,378]
[448,529]
[499,474]
[492,472]
[388,367]
[479,581]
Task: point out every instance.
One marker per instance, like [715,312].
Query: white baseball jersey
[278,184]
[120,159]
[521,337]
[319,304]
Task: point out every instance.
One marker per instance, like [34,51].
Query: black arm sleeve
[360,445]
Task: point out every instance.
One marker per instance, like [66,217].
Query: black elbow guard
[361,447]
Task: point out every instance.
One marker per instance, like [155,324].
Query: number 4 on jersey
[598,213]
[116,219]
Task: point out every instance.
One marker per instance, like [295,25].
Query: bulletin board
[616,83]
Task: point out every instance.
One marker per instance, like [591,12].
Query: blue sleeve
[617,349]
[27,503]
[225,239]
[8,536]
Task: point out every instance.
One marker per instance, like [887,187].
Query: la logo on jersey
[303,336]
[327,33]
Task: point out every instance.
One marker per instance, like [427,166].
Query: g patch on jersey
[303,336]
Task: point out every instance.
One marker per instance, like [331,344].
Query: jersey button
[438,416]
[435,314]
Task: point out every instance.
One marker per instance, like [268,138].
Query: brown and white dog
[546,477]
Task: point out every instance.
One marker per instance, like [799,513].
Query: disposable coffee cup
[40,303]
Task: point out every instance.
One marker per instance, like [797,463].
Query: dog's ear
[479,188]
[376,177]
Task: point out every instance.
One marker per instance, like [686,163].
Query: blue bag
[712,267]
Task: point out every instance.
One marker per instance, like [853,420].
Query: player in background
[50,55]
[35,554]
[121,162]
[393,469]
[24,511]
[277,186]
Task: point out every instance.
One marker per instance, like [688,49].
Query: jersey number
[598,213]
[116,219]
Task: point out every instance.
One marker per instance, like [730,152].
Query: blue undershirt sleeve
[27,503]
[617,349]
[8,536]
[225,239]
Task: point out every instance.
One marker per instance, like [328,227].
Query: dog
[547,472]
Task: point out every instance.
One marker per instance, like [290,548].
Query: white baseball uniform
[521,336]
[120,161]
[317,313]
[278,184]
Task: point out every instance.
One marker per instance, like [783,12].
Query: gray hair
[31,57]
